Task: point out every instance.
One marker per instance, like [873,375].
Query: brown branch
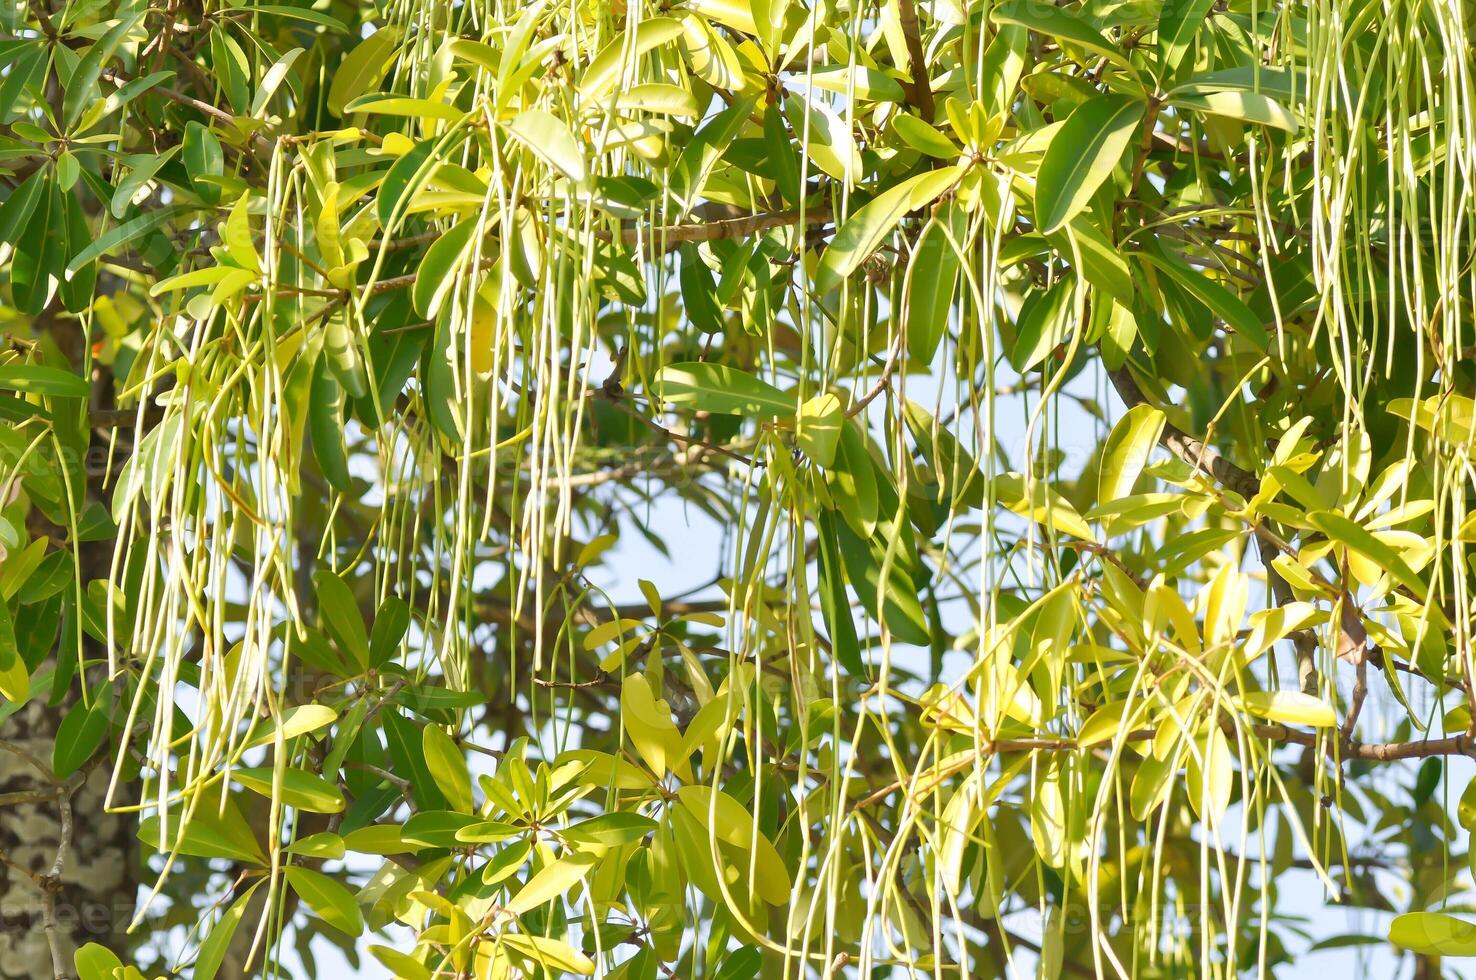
[685,440]
[259,141]
[707,231]
[1186,447]
[882,383]
[1463,744]
[601,678]
[919,91]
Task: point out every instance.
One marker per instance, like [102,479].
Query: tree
[1077,397]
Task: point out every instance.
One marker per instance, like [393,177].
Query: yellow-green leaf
[554,880]
[300,789]
[1434,934]
[863,231]
[718,388]
[448,767]
[1126,451]
[1290,708]
[554,955]
[549,139]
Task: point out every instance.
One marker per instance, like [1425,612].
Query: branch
[919,91]
[259,141]
[1206,460]
[1186,447]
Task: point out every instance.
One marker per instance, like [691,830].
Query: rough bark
[99,881]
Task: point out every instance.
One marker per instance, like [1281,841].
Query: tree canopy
[1068,407]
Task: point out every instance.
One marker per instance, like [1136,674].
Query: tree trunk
[94,898]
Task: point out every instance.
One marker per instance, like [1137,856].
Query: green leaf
[16,212]
[326,845]
[852,481]
[339,611]
[858,81]
[1126,451]
[924,137]
[362,68]
[82,85]
[703,151]
[448,768]
[332,902]
[863,231]
[1178,23]
[782,154]
[1284,85]
[78,736]
[298,720]
[1433,934]
[699,295]
[610,829]
[1044,320]
[717,388]
[932,278]
[36,266]
[213,950]
[1062,24]
[123,234]
[893,602]
[730,821]
[404,180]
[141,169]
[958,476]
[818,427]
[1044,505]
[15,680]
[212,832]
[300,789]
[203,157]
[391,622]
[1221,302]
[96,962]
[603,71]
[1082,155]
[549,139]
[826,138]
[406,748]
[38,379]
[834,605]
[1099,261]
[1103,725]
[301,13]
[440,269]
[711,56]
[272,80]
[647,721]
[394,105]
[399,964]
[1248,107]
[325,425]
